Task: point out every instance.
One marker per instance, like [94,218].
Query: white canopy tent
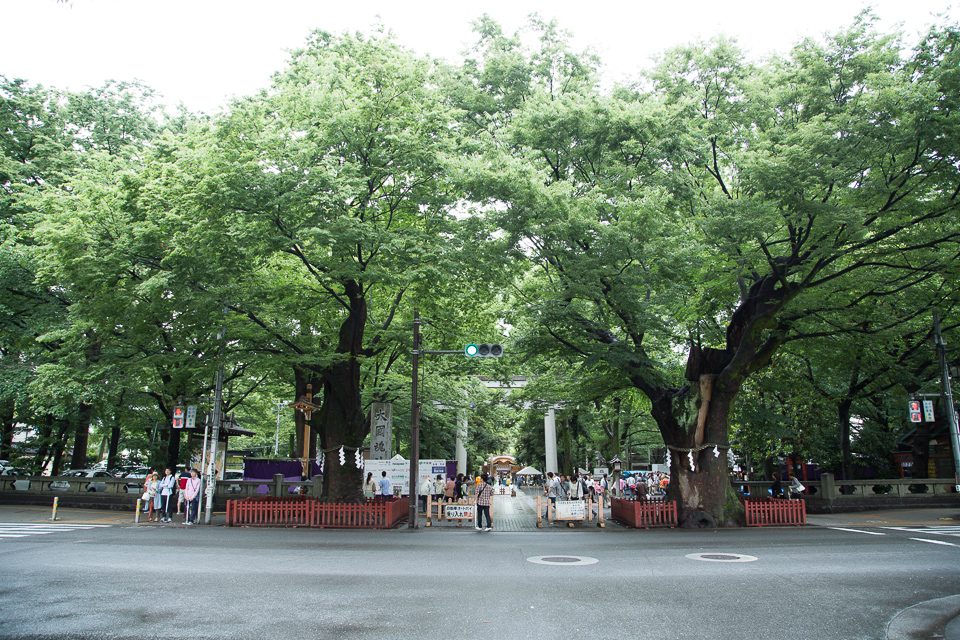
[528,471]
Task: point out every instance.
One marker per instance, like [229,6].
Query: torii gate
[549,425]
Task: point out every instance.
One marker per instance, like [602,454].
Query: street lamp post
[305,405]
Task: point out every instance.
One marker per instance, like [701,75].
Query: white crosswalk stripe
[937,529]
[25,529]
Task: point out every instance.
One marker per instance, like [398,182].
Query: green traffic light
[471,350]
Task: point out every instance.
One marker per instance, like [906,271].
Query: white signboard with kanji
[459,511]
[571,510]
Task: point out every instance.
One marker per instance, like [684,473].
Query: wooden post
[600,522]
[539,514]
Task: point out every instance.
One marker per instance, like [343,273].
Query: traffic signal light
[483,350]
[914,407]
[178,417]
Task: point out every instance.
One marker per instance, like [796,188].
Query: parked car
[232,477]
[135,480]
[13,471]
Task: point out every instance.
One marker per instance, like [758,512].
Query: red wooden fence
[765,512]
[305,511]
[644,514]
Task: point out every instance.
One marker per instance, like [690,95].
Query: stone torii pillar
[462,442]
[550,439]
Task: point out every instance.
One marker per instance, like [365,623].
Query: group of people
[579,487]
[795,488]
[180,489]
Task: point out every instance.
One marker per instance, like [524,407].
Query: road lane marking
[869,533]
[24,529]
[947,544]
[938,529]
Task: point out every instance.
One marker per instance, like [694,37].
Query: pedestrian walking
[191,497]
[576,488]
[796,489]
[553,487]
[776,489]
[153,485]
[370,486]
[484,498]
[168,486]
[384,486]
[182,477]
[425,488]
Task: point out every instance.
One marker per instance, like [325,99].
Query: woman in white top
[370,486]
[167,486]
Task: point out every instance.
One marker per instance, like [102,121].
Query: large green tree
[725,210]
[320,212]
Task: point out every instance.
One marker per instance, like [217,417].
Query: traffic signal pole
[414,522]
[948,400]
[471,350]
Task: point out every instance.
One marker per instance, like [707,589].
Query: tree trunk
[6,428]
[81,437]
[59,446]
[173,447]
[704,495]
[114,447]
[342,425]
[342,417]
[921,450]
[843,411]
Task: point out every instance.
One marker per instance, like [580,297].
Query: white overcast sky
[201,52]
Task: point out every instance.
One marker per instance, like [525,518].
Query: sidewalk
[26,513]
[886,518]
[509,514]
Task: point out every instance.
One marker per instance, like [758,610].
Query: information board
[459,511]
[398,471]
[571,510]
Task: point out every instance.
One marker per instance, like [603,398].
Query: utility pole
[948,400]
[414,522]
[215,435]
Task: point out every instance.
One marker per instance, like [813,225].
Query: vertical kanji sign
[381,428]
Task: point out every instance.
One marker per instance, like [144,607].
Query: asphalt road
[836,581]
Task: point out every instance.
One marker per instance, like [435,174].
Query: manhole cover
[721,557]
[565,560]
